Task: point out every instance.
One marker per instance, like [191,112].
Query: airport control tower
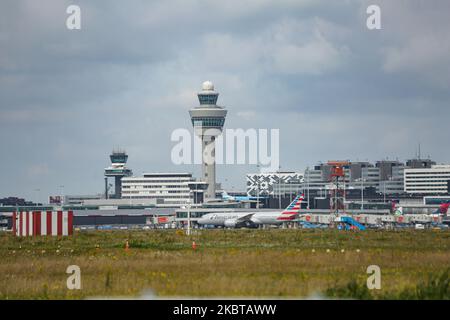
[208,119]
[118,170]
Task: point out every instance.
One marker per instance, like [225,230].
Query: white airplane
[247,219]
[442,211]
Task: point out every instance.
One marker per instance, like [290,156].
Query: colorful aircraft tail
[443,209]
[399,211]
[225,195]
[293,209]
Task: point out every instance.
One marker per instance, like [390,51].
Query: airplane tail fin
[399,211]
[443,209]
[293,209]
[225,194]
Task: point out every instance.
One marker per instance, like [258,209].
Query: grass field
[284,263]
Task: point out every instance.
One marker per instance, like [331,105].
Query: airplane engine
[233,223]
[230,223]
[255,221]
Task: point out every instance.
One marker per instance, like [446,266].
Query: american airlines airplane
[247,219]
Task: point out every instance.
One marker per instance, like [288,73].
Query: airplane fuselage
[219,219]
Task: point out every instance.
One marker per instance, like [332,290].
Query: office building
[432,180]
[266,184]
[168,189]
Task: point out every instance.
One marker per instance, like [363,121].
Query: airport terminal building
[434,180]
[167,189]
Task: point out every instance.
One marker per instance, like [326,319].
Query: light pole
[307,187]
[188,231]
[362,193]
[279,187]
[343,204]
[257,187]
[290,192]
[62,195]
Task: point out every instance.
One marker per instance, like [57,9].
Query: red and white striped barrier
[37,223]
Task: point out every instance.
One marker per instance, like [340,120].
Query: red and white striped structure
[37,223]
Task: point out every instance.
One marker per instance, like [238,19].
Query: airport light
[307,187]
[279,187]
[362,193]
[344,192]
[290,192]
[62,195]
[257,186]
[188,231]
[384,191]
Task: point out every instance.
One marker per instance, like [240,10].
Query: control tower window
[207,98]
[208,122]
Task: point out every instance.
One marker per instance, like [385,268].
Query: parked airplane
[227,197]
[398,211]
[248,219]
[442,211]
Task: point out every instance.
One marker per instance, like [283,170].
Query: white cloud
[315,57]
[285,47]
[425,56]
[416,40]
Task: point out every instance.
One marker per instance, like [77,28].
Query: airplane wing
[247,201]
[247,217]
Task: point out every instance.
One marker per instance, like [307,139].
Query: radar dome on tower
[207,96]
[208,86]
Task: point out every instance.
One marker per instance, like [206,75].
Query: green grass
[436,287]
[234,263]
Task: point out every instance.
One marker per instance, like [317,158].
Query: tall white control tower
[208,120]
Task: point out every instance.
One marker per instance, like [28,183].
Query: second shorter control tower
[208,120]
[118,170]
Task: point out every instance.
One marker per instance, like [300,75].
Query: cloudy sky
[311,68]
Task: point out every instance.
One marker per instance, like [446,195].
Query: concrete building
[356,168]
[371,177]
[80,199]
[384,176]
[316,180]
[266,184]
[386,167]
[432,180]
[395,183]
[168,189]
[420,163]
[122,217]
[208,120]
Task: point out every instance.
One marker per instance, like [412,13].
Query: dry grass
[257,263]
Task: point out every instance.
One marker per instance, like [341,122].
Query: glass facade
[208,122]
[118,158]
[207,98]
